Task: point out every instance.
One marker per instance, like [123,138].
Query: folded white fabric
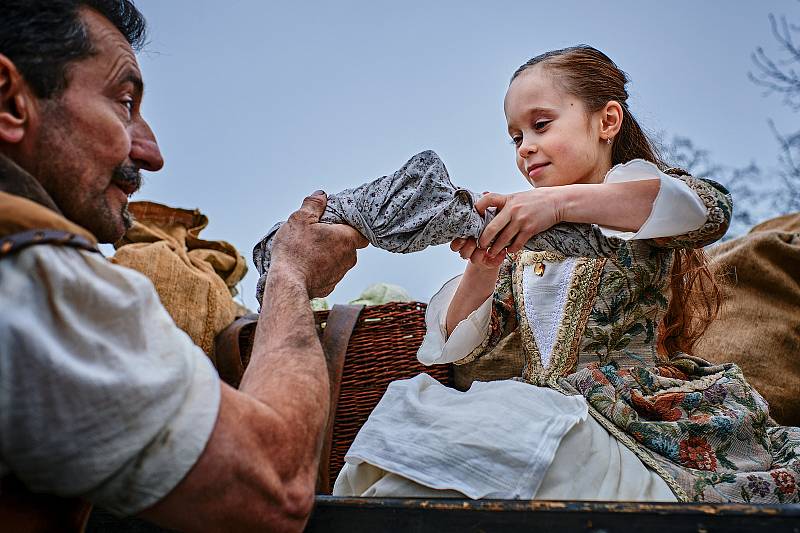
[495,440]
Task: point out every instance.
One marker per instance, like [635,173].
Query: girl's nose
[527,148]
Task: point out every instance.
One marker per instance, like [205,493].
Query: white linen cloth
[101,395]
[495,440]
[589,464]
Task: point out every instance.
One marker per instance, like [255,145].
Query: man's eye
[541,124]
[128,104]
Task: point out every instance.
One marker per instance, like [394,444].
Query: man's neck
[15,180]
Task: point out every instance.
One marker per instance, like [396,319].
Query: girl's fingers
[479,257]
[519,243]
[498,259]
[490,232]
[505,239]
[468,249]
[492,199]
[457,244]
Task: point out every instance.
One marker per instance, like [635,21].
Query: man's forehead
[110,45]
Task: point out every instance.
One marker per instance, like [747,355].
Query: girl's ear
[15,103]
[611,117]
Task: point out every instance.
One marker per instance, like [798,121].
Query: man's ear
[611,117]
[16,103]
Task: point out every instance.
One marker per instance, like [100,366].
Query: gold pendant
[538,269]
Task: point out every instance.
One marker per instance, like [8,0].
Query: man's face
[91,141]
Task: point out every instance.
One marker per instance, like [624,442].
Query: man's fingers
[323,291]
[457,244]
[348,233]
[361,241]
[358,239]
[315,204]
[492,199]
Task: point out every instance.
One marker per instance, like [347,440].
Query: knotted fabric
[418,206]
[404,212]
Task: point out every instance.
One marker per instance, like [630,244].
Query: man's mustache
[128,178]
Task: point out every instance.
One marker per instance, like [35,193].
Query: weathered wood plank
[354,515]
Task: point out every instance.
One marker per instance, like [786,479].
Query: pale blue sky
[258,103]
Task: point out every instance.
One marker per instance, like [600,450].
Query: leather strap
[17,241]
[342,320]
[230,359]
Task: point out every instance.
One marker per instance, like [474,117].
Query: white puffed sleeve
[676,210]
[437,347]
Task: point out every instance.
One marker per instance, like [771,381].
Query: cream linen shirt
[101,395]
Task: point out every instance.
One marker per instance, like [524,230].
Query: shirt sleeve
[437,347]
[101,395]
[676,210]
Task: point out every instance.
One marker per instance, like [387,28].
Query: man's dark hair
[42,37]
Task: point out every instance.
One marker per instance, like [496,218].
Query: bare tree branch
[781,75]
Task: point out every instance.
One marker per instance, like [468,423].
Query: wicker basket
[382,349]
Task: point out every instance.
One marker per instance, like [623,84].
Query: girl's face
[557,142]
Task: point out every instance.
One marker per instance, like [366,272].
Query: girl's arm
[636,201]
[620,206]
[476,285]
[462,327]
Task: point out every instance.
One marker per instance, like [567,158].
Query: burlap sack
[759,323]
[195,278]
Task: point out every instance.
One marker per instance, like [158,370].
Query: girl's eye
[541,124]
[516,140]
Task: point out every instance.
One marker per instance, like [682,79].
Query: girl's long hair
[591,76]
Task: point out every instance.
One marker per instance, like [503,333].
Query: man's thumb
[315,204]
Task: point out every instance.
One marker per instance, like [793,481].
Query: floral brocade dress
[701,427]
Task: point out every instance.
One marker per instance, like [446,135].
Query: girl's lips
[535,170]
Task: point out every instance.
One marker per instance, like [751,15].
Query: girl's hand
[519,217]
[468,249]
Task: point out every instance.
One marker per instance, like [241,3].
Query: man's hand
[321,254]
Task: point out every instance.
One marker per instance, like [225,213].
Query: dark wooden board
[354,515]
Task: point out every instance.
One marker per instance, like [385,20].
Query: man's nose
[144,148]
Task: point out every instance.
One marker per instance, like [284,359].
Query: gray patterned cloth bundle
[404,212]
[418,206]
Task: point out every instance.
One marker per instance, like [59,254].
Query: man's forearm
[287,369]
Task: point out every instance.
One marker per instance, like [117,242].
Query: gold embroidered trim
[715,216]
[589,280]
[638,449]
[532,370]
